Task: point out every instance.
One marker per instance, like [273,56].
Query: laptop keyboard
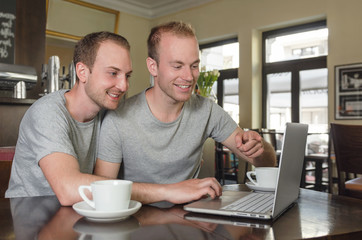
[254,202]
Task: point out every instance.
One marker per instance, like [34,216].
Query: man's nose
[187,74]
[122,84]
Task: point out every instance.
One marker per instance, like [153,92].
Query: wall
[345,40]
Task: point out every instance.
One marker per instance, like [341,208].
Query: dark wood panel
[10,118]
[30,37]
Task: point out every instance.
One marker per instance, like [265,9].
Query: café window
[224,56]
[295,81]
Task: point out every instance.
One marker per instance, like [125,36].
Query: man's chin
[111,106]
[185,98]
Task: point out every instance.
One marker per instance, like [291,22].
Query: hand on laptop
[192,189]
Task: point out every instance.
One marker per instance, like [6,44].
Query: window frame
[226,73]
[292,66]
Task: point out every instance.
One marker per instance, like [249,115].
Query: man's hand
[193,189]
[251,147]
[249,143]
[177,193]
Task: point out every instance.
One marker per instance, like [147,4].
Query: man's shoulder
[48,104]
[52,98]
[200,102]
[136,97]
[128,106]
[132,102]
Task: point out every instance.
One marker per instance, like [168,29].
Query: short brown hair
[176,28]
[86,49]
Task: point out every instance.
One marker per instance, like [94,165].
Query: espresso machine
[53,79]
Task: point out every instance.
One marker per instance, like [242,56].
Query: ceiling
[149,8]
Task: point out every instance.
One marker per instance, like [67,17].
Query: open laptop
[286,191]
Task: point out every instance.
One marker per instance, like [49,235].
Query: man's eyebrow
[118,69]
[180,62]
[177,61]
[114,68]
[197,61]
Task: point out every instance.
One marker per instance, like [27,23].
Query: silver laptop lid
[290,166]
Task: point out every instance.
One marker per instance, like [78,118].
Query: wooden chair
[226,164]
[6,159]
[347,142]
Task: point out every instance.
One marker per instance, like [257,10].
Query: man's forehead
[178,44]
[175,36]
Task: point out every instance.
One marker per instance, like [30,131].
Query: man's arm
[177,193]
[250,146]
[63,174]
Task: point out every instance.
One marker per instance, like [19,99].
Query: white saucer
[252,186]
[91,214]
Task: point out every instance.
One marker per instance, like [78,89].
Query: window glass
[314,108]
[231,98]
[306,44]
[314,99]
[297,89]
[220,57]
[279,100]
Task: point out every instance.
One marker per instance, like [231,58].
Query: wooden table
[316,215]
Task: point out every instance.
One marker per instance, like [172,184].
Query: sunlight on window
[220,57]
[297,46]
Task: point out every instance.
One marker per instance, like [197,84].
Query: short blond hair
[177,28]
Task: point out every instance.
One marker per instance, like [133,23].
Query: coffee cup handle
[248,174]
[85,198]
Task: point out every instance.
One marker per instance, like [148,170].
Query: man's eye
[196,66]
[113,73]
[177,66]
[128,76]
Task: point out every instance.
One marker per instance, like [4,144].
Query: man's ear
[82,71]
[152,66]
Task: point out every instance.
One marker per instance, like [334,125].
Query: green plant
[205,82]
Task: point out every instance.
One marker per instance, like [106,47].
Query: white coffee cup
[108,195]
[265,176]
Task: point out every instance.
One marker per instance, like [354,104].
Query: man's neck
[161,107]
[80,107]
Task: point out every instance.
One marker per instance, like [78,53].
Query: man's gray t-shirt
[47,127]
[156,152]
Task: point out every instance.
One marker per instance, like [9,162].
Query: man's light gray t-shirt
[47,127]
[156,152]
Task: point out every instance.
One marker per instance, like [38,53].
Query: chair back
[347,142]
